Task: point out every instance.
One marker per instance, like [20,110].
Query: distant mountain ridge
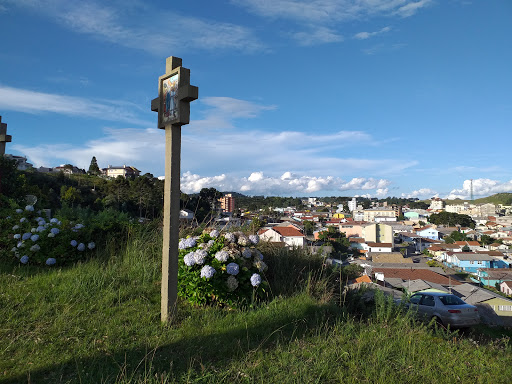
[504,198]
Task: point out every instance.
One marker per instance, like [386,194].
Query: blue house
[472,262]
[492,276]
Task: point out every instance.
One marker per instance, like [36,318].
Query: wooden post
[173,106]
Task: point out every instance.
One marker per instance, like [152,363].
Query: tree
[486,240]
[93,168]
[466,248]
[309,227]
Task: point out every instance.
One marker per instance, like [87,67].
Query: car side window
[415,299]
[428,301]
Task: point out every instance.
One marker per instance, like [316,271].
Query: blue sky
[306,98]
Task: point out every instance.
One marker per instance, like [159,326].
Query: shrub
[222,269]
[33,239]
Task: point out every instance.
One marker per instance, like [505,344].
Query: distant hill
[498,198]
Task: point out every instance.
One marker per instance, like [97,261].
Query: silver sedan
[445,308]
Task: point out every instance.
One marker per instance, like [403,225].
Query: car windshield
[451,300]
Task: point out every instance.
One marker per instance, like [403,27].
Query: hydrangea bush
[224,269]
[33,239]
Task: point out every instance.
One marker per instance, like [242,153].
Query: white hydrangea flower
[222,256]
[33,230]
[199,256]
[81,247]
[29,208]
[214,233]
[210,243]
[79,226]
[74,243]
[51,234]
[24,259]
[15,227]
[91,245]
[255,239]
[189,259]
[231,237]
[34,238]
[207,271]
[17,236]
[14,249]
[232,283]
[244,241]
[189,242]
[232,269]
[255,280]
[51,261]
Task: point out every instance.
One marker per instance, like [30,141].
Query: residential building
[227,203]
[123,171]
[378,233]
[352,204]
[436,204]
[428,232]
[370,214]
[506,287]
[69,169]
[290,236]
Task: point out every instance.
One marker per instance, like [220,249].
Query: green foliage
[338,240]
[93,167]
[486,240]
[221,269]
[309,227]
[451,219]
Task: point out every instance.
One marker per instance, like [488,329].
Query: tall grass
[98,322]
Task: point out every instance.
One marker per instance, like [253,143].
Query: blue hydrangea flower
[15,227]
[207,271]
[260,265]
[222,256]
[26,236]
[255,280]
[17,236]
[35,248]
[244,241]
[199,256]
[22,220]
[55,231]
[255,239]
[91,245]
[51,261]
[20,244]
[210,243]
[19,210]
[41,222]
[214,233]
[74,243]
[259,255]
[24,259]
[54,221]
[232,269]
[34,238]
[40,229]
[189,259]
[81,247]
[29,208]
[79,226]
[247,253]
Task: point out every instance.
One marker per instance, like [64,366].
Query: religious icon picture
[170,95]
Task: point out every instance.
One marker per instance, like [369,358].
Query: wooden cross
[4,137]
[173,106]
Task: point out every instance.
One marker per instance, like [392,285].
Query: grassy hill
[98,322]
[498,198]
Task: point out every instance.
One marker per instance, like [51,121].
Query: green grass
[98,322]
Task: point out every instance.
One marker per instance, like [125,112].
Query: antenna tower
[471,189]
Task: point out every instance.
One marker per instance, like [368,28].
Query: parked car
[445,308]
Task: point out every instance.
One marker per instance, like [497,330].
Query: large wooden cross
[173,106]
[4,137]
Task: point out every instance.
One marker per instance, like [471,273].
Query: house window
[471,262]
[507,308]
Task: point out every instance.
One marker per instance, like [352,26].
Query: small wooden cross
[4,137]
[173,106]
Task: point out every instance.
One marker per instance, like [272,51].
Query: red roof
[288,231]
[382,245]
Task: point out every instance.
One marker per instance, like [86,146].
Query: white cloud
[145,31]
[317,35]
[28,101]
[422,193]
[481,188]
[258,183]
[321,11]
[367,35]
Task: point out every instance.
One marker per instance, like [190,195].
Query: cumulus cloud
[422,193]
[481,187]
[257,183]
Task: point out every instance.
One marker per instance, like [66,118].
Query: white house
[288,235]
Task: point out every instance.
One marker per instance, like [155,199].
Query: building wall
[502,307]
